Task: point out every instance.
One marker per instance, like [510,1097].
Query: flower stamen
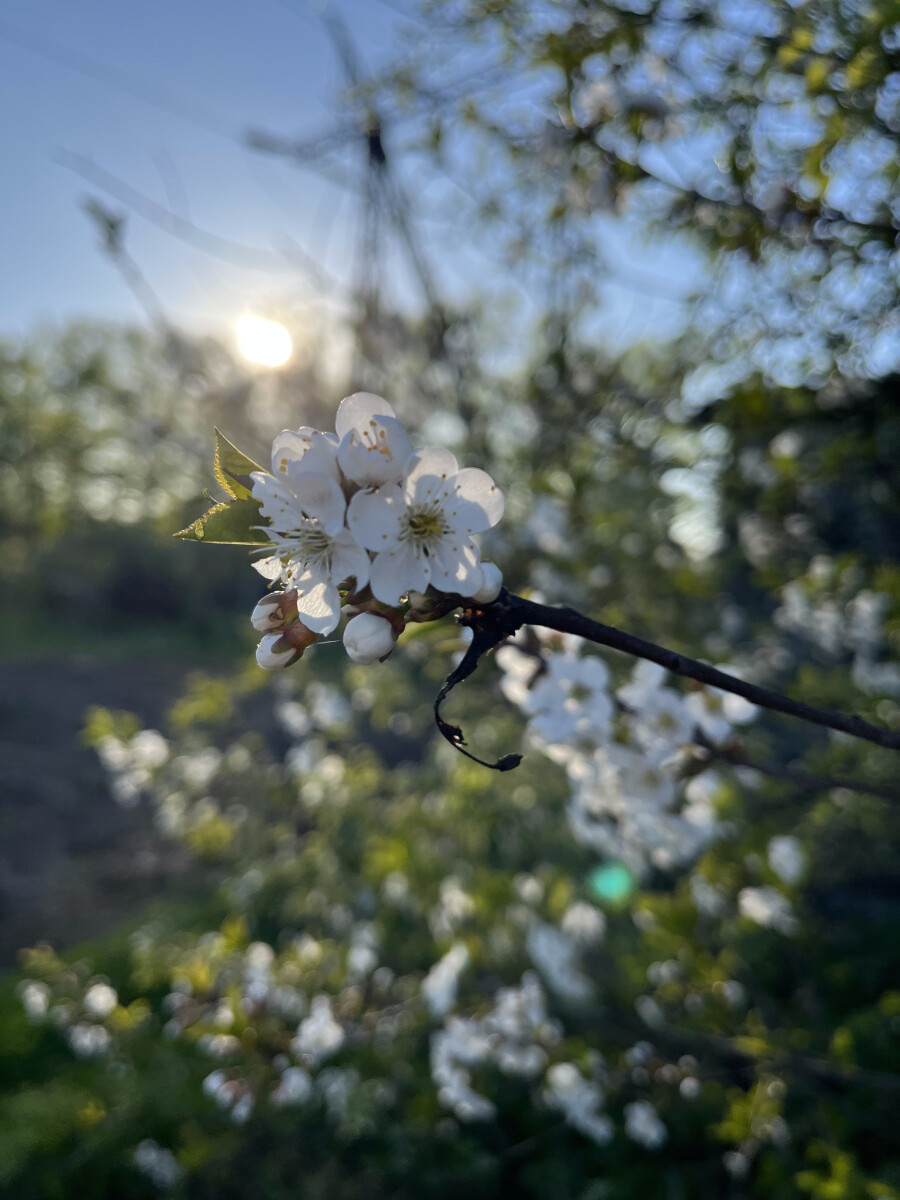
[424,525]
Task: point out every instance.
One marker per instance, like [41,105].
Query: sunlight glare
[264,342]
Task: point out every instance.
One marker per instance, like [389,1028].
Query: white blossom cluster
[158,1164]
[360,512]
[623,751]
[827,607]
[642,1125]
[580,1100]
[130,764]
[78,1006]
[513,1036]
[323,989]
[765,905]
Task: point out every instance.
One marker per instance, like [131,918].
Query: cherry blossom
[305,449]
[580,1100]
[767,906]
[617,778]
[663,723]
[572,699]
[313,550]
[421,530]
[787,858]
[373,446]
[642,1125]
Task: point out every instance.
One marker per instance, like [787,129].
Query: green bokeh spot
[612,883]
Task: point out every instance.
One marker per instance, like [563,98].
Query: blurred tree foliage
[733,493]
[104,438]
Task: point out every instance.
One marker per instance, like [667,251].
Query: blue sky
[231,66]
[240,65]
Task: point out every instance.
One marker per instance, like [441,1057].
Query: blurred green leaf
[232,468]
[232,522]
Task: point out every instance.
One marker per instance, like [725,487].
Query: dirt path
[72,862]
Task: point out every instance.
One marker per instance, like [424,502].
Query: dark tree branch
[486,637]
[807,780]
[495,622]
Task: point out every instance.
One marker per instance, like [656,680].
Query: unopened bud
[492,585]
[274,652]
[299,636]
[274,611]
[368,637]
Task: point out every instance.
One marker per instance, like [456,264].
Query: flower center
[580,693]
[315,544]
[424,525]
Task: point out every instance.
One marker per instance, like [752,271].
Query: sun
[264,342]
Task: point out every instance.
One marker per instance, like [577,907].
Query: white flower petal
[306,446]
[646,679]
[270,658]
[456,566]
[375,453]
[590,672]
[319,497]
[348,558]
[545,696]
[480,503]
[278,503]
[269,568]
[374,517]
[492,584]
[318,603]
[357,410]
[397,571]
[429,474]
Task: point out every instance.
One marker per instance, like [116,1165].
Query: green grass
[24,636]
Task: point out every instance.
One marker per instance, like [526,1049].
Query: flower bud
[493,582]
[274,652]
[298,636]
[274,611]
[368,637]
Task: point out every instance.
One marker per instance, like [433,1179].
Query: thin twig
[674,1039]
[495,622]
[794,775]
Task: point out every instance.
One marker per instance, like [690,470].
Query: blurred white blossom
[767,906]
[642,1125]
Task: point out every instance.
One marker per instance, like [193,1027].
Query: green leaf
[231,522]
[233,468]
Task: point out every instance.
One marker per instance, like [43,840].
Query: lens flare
[264,342]
[612,883]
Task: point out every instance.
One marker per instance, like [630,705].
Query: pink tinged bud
[368,638]
[298,636]
[493,582]
[275,652]
[274,611]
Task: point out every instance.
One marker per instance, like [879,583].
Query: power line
[237,254]
[159,97]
